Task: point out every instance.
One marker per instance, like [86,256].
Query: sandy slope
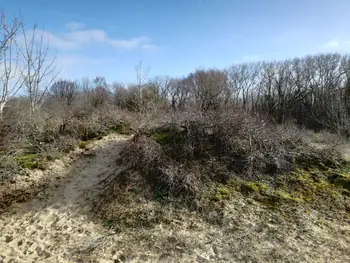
[50,229]
[58,227]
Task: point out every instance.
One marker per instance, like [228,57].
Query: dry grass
[249,233]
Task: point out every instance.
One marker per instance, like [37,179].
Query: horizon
[175,38]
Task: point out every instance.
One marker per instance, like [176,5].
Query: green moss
[288,196]
[253,187]
[330,185]
[223,192]
[281,184]
[232,183]
[315,186]
[217,197]
[341,180]
[160,137]
[270,195]
[121,128]
[31,161]
[83,144]
[302,185]
[93,134]
[167,137]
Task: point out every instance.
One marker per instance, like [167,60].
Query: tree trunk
[2,106]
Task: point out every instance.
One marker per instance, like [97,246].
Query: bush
[179,157]
[28,141]
[144,154]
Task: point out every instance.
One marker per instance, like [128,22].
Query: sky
[174,37]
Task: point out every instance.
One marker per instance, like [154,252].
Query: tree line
[313,91]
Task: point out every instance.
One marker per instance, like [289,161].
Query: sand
[49,227]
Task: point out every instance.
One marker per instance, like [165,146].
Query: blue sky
[173,37]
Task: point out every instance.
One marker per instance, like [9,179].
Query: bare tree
[139,87]
[100,82]
[163,84]
[100,93]
[210,89]
[10,84]
[94,93]
[64,91]
[121,95]
[242,80]
[85,84]
[38,72]
[179,94]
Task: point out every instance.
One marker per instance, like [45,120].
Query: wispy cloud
[331,44]
[71,66]
[74,26]
[336,44]
[78,37]
[132,43]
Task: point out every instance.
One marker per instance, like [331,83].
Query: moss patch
[341,180]
[318,183]
[253,187]
[312,186]
[91,134]
[31,161]
[166,137]
[160,138]
[223,192]
[279,196]
[83,144]
[121,128]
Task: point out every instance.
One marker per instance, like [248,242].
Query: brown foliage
[179,157]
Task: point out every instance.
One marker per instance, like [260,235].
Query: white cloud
[332,44]
[149,47]
[73,26]
[78,37]
[336,45]
[130,43]
[72,66]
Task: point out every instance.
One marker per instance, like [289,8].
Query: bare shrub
[144,154]
[45,136]
[180,157]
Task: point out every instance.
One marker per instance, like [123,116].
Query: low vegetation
[201,163]
[268,131]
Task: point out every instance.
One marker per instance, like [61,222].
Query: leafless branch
[38,72]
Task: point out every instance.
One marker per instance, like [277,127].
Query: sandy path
[53,229]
